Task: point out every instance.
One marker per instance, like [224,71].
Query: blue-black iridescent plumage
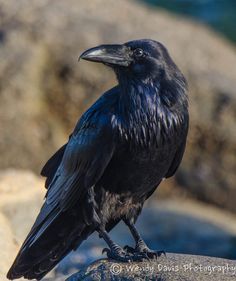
[121,149]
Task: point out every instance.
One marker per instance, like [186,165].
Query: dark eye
[138,52]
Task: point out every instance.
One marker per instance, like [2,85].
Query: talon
[152,255]
[149,254]
[105,250]
[117,253]
[159,253]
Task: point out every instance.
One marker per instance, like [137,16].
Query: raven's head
[140,59]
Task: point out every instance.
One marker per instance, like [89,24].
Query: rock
[21,199]
[44,91]
[7,245]
[21,194]
[173,267]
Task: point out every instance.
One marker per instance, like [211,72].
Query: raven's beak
[109,54]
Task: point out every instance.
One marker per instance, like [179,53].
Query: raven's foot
[117,253]
[136,255]
[151,254]
[114,251]
[142,249]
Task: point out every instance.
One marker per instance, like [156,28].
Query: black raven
[121,149]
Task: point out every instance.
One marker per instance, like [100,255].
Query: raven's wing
[76,167]
[86,156]
[176,161]
[52,165]
[179,153]
[54,162]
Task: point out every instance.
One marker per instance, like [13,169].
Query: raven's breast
[129,179]
[137,171]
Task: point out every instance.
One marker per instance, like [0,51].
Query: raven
[121,149]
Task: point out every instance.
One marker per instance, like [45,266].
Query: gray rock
[7,245]
[173,267]
[21,195]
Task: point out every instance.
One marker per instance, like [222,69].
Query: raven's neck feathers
[151,111]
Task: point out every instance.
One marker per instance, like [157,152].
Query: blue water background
[218,14]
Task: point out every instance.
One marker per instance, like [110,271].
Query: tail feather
[41,252]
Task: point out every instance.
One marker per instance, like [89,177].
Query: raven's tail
[47,243]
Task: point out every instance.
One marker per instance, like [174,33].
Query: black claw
[128,254]
[117,253]
[159,253]
[105,250]
[154,254]
[150,254]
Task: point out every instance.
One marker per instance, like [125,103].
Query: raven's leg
[141,247]
[115,252]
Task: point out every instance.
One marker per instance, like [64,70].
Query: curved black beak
[108,54]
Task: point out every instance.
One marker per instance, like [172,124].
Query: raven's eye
[138,52]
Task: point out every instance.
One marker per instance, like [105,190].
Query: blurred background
[44,90]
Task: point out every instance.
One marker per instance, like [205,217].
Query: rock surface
[43,89]
[21,199]
[21,195]
[7,245]
[173,267]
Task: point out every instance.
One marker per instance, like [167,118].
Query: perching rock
[44,90]
[173,267]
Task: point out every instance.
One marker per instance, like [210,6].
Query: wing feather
[85,158]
